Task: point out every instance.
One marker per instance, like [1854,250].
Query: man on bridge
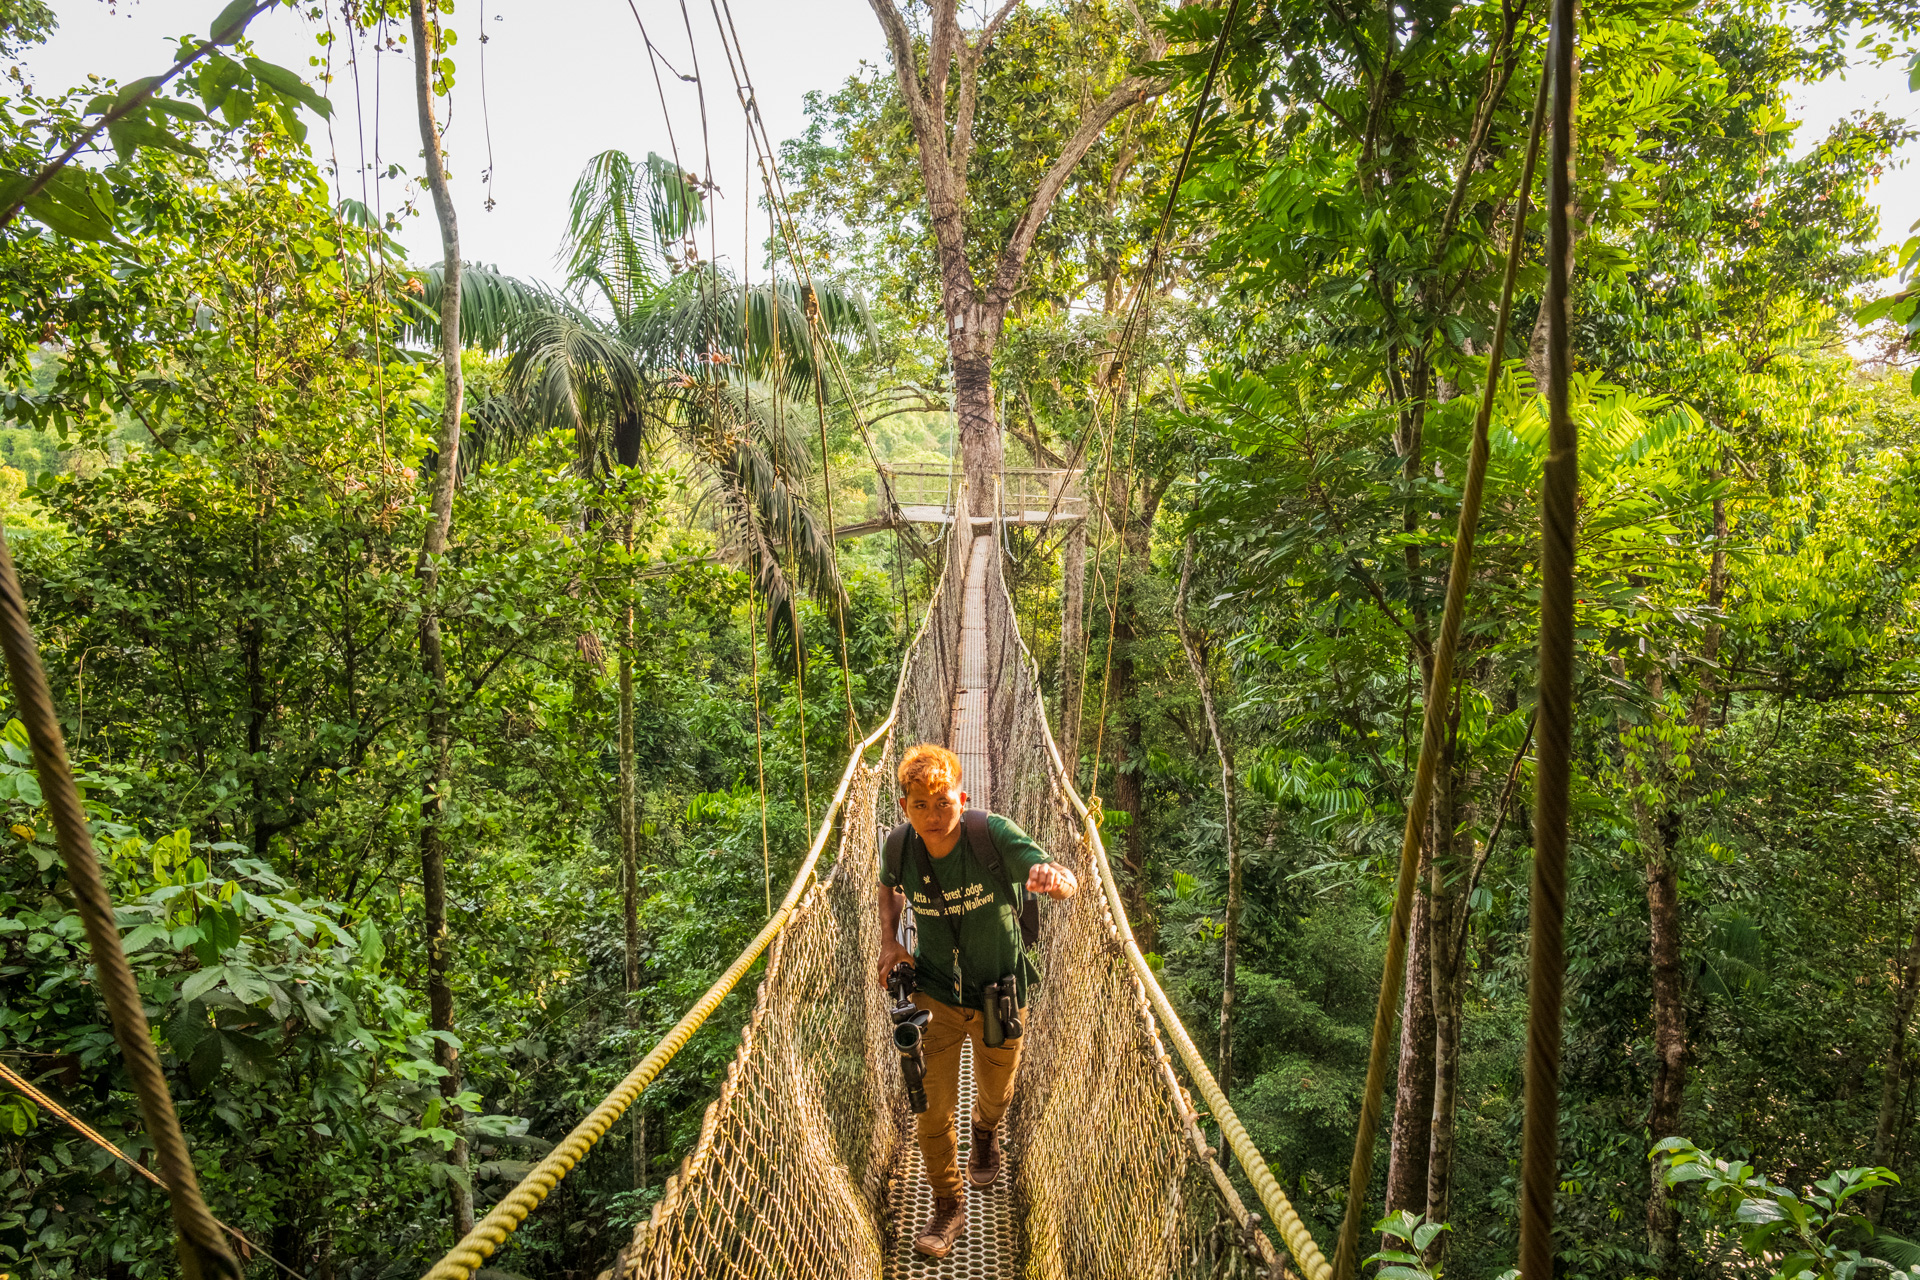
[960,865]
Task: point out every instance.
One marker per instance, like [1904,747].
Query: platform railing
[925,493]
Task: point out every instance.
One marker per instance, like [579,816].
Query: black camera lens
[906,1037]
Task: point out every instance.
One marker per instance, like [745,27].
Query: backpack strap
[893,850]
[1026,906]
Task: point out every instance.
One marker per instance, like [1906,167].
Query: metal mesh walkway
[967,735]
[989,1249]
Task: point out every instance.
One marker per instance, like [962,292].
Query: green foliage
[1816,1236]
[1415,1234]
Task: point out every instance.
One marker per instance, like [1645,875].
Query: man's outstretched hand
[891,954]
[1053,880]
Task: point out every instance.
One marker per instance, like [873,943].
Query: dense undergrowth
[218,438]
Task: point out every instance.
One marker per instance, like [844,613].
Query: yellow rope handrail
[1280,1211]
[491,1232]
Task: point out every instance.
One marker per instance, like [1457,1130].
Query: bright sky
[567,79]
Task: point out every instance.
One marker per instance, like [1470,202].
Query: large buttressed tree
[981,246]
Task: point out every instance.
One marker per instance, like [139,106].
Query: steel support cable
[491,1232]
[203,1255]
[1152,267]
[793,594]
[1439,695]
[819,340]
[753,622]
[1113,606]
[1553,770]
[826,485]
[762,146]
[1280,1210]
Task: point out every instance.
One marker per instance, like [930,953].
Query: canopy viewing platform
[924,494]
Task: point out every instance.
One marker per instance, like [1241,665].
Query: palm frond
[496,428]
[782,546]
[566,369]
[703,321]
[491,304]
[623,222]
[1897,1250]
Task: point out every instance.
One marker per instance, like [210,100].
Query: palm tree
[678,355]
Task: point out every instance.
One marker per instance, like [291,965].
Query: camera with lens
[1002,1011]
[909,1022]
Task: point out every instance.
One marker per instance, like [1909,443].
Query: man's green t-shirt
[985,924]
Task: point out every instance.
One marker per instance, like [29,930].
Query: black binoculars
[909,1021]
[1002,1011]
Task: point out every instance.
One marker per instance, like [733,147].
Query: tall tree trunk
[1669,1040]
[973,301]
[433,796]
[1230,938]
[1894,1077]
[1073,642]
[1128,795]
[629,821]
[1453,816]
[1413,1093]
[1654,832]
[1134,544]
[981,446]
[1578,220]
[257,726]
[630,817]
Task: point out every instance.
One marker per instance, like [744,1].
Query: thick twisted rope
[491,1232]
[203,1255]
[1280,1210]
[1439,695]
[1559,492]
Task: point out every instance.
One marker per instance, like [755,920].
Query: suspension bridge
[805,1164]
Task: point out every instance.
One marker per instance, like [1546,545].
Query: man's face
[934,813]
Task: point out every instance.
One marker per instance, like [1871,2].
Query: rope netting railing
[1105,1199]
[789,1174]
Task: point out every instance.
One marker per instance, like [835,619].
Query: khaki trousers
[993,1072]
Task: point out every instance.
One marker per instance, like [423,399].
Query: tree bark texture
[433,858]
[1654,832]
[629,821]
[1413,1092]
[1129,797]
[1133,544]
[1669,1045]
[974,297]
[1452,819]
[1578,221]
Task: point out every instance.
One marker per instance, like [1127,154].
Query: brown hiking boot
[943,1228]
[983,1162]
